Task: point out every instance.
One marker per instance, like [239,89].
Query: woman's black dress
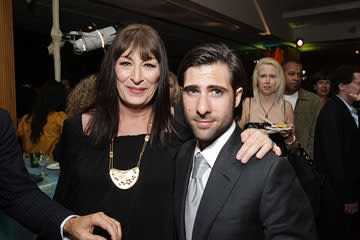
[145,211]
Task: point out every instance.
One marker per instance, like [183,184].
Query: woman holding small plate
[268,109]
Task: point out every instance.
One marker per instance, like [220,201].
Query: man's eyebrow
[217,87]
[191,86]
[208,87]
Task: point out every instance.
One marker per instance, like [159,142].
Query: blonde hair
[280,83]
[82,98]
[177,94]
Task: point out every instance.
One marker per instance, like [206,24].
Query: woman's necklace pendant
[266,112]
[124,179]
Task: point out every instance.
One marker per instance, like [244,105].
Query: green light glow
[307,47]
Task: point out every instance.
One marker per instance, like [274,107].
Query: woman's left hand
[255,141]
[285,133]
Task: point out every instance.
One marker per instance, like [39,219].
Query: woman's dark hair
[51,98]
[105,119]
[210,53]
[322,75]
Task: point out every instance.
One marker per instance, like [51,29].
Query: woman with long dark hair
[119,156]
[41,129]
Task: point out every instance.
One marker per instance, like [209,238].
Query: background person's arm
[355,97]
[21,199]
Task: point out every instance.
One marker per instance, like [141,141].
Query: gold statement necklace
[126,179]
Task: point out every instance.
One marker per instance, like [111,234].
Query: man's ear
[238,95]
[341,86]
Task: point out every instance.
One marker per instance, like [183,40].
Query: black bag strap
[305,155]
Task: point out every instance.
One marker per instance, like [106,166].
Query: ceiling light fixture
[88,41]
[299,42]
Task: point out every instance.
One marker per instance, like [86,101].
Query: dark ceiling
[199,20]
[328,27]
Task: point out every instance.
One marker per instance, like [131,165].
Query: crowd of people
[156,152]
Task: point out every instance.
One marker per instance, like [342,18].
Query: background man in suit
[216,196]
[337,156]
[21,199]
[306,105]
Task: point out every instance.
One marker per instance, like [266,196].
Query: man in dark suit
[337,156]
[21,199]
[216,196]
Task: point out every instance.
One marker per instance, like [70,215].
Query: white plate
[271,130]
[53,166]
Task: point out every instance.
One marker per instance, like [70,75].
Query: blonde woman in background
[268,103]
[175,92]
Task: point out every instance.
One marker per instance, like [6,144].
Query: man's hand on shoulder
[257,142]
[82,227]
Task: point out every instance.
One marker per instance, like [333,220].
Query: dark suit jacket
[258,200]
[20,197]
[337,150]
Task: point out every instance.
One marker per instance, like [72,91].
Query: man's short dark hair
[344,75]
[211,53]
[288,60]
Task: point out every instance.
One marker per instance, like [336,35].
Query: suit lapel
[346,111]
[182,181]
[224,175]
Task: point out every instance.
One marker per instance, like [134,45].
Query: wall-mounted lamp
[88,41]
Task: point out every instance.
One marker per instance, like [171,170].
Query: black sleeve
[20,197]
[284,208]
[61,154]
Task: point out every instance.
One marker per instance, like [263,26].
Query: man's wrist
[62,229]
